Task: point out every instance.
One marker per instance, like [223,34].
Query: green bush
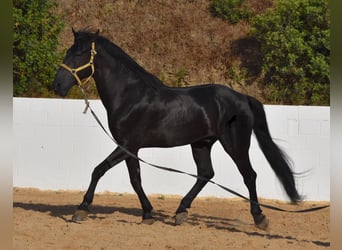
[36,32]
[231,10]
[295,44]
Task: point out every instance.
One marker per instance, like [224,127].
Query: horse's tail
[278,160]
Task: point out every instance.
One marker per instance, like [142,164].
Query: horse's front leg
[114,158]
[135,177]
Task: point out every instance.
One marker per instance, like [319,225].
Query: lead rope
[87,103]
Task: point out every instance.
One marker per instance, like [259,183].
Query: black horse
[143,112]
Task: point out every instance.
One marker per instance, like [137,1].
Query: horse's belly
[176,135]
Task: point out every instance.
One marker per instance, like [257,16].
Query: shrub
[295,44]
[35,58]
[231,10]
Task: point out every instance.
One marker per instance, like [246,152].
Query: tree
[36,31]
[295,44]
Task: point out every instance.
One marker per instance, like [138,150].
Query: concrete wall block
[309,127]
[56,119]
[325,128]
[297,142]
[276,120]
[21,104]
[283,120]
[292,127]
[314,112]
[36,118]
[66,119]
[23,132]
[317,142]
[305,160]
[72,105]
[20,117]
[45,105]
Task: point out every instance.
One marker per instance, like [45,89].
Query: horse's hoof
[80,215]
[148,221]
[263,224]
[180,218]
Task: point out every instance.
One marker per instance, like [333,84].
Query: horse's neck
[115,83]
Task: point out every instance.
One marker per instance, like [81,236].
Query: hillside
[179,41]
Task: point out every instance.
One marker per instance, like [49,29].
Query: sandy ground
[42,220]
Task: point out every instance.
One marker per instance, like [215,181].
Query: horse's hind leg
[114,158]
[236,141]
[201,153]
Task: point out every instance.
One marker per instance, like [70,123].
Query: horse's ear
[74,31]
[97,32]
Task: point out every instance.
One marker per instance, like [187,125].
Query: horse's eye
[75,51]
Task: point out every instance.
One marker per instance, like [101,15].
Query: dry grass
[178,41]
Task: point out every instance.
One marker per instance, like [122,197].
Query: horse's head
[77,64]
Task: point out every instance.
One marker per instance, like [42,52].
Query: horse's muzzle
[58,90]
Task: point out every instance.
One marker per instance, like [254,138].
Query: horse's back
[228,101]
[202,110]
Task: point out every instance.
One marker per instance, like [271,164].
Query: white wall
[57,147]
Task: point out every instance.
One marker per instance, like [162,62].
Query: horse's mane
[125,59]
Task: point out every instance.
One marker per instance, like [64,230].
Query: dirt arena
[42,220]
